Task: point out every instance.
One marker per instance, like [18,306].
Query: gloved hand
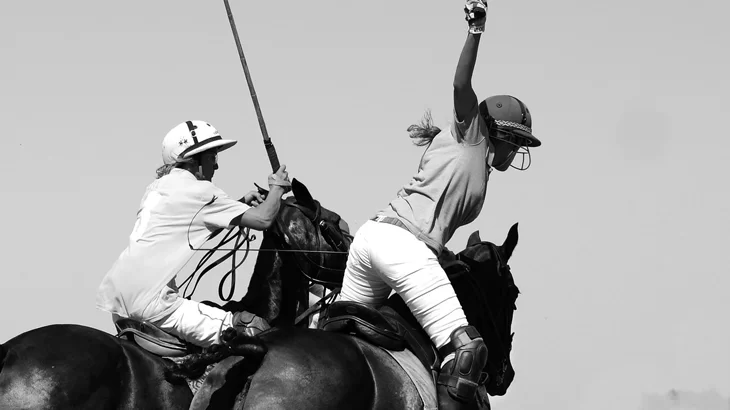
[253,198]
[476,15]
[248,323]
[280,178]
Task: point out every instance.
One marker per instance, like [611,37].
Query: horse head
[308,245]
[487,292]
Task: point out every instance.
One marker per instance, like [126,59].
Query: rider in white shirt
[178,213]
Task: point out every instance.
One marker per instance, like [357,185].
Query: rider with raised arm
[178,213]
[399,248]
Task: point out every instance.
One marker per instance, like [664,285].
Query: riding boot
[248,323]
[459,378]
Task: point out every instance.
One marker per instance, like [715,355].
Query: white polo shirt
[176,211]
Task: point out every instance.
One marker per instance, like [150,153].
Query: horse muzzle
[497,386]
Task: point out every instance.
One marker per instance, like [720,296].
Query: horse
[316,369]
[68,366]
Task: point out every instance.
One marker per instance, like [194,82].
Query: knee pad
[461,376]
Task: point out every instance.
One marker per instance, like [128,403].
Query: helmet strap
[192,127]
[521,150]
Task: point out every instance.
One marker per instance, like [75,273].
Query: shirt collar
[182,173]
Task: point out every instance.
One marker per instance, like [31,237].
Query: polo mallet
[270,150]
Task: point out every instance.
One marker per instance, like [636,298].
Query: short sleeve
[222,208]
[471,129]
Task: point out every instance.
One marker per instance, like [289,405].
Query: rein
[319,305]
[242,237]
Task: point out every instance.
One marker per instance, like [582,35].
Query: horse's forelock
[480,252]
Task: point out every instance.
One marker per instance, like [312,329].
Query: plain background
[624,216]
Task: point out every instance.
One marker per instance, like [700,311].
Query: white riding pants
[384,257]
[202,325]
[196,323]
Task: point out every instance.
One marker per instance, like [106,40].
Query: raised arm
[464,97]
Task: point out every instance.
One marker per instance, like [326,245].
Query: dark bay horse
[69,366]
[314,369]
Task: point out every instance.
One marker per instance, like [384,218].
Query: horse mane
[473,289]
[263,296]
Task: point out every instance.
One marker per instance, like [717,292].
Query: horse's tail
[193,366]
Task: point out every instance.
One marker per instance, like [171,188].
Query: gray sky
[624,214]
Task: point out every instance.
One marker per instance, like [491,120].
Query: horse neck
[472,303]
[294,264]
[276,291]
[264,296]
[294,292]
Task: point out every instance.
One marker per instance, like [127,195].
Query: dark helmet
[510,114]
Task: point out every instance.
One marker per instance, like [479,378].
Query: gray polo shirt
[449,188]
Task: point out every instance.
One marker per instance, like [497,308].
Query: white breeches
[196,323]
[202,325]
[385,257]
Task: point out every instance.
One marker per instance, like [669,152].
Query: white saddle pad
[419,375]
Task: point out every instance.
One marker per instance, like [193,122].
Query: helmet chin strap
[490,158]
[521,150]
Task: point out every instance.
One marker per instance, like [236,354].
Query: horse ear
[473,239]
[301,193]
[509,244]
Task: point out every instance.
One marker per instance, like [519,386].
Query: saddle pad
[419,375]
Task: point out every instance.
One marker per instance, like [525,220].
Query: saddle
[382,327]
[152,338]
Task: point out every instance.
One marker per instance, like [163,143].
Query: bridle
[338,239]
[334,235]
[503,270]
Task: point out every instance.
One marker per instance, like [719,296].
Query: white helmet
[190,138]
